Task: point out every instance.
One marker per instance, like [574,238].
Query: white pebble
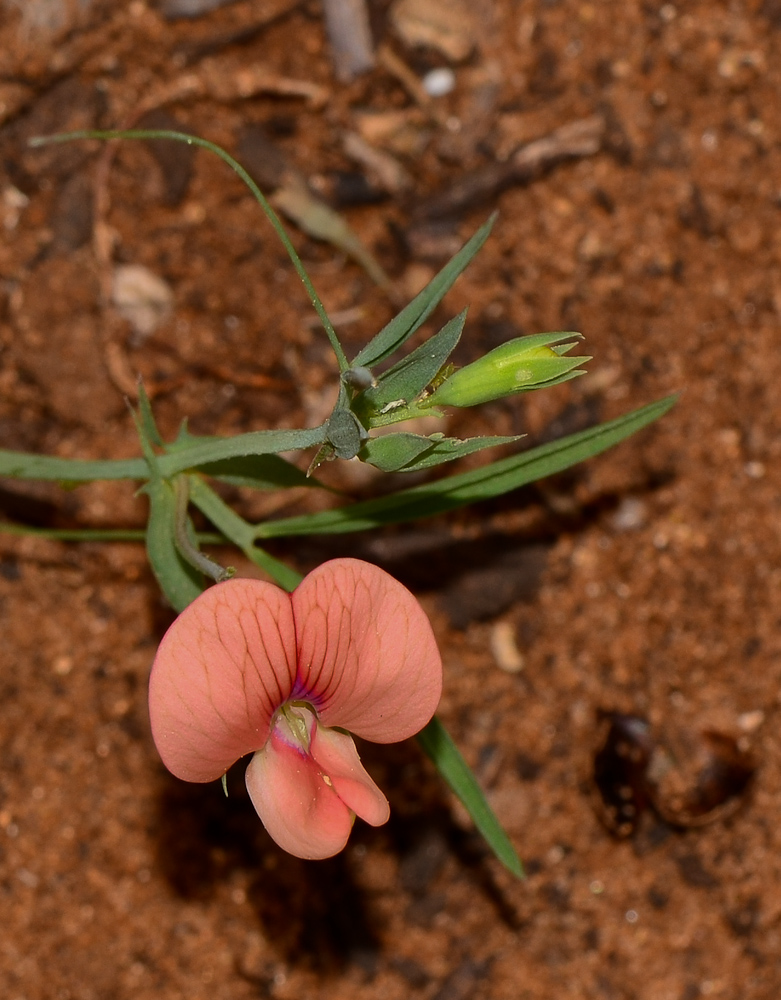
[438,82]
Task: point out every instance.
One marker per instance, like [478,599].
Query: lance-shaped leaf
[392,336]
[410,376]
[178,579]
[198,454]
[260,472]
[23,465]
[470,487]
[149,427]
[413,452]
[180,582]
[210,450]
[437,743]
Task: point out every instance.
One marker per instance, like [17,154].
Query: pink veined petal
[221,671]
[299,809]
[336,756]
[367,657]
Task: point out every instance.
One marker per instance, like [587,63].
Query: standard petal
[221,671]
[299,809]
[367,657]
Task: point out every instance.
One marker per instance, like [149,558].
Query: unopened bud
[517,366]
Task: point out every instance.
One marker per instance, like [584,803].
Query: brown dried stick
[347,25]
[584,137]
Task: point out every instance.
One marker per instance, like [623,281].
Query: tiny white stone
[438,82]
[503,646]
[141,297]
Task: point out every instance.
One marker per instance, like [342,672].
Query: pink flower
[248,668]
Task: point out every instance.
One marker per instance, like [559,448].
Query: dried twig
[584,137]
[347,25]
[396,66]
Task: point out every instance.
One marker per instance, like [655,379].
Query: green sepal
[438,745]
[413,315]
[413,452]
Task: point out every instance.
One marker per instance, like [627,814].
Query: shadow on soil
[317,915]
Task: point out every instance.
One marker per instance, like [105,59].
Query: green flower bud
[517,366]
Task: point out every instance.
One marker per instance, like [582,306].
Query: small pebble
[141,297]
[749,722]
[63,665]
[503,646]
[439,82]
[630,515]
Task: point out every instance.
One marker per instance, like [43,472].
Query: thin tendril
[185,547]
[194,140]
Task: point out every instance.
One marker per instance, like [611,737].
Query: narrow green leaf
[410,376]
[280,572]
[413,452]
[22,465]
[412,316]
[255,443]
[470,487]
[197,452]
[438,745]
[223,517]
[148,418]
[260,472]
[449,449]
[178,579]
[96,534]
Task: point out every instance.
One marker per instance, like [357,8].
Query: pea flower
[248,668]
